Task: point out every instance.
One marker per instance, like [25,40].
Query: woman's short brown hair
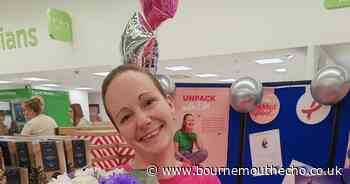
[117,72]
[35,104]
[2,113]
[77,113]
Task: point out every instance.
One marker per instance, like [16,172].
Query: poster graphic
[268,109]
[327,179]
[265,149]
[209,109]
[347,154]
[346,175]
[290,179]
[309,111]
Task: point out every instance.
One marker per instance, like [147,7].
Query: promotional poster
[210,110]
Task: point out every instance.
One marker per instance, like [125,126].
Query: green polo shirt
[185,140]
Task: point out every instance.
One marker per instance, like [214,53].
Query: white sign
[4,106]
[265,149]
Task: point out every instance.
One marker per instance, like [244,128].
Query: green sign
[56,102]
[60,25]
[11,94]
[333,4]
[16,39]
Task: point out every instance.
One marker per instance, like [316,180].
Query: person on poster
[38,123]
[185,139]
[144,116]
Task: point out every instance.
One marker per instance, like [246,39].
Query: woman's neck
[186,130]
[165,158]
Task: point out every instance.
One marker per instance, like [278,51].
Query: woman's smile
[151,135]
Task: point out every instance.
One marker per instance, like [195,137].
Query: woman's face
[144,117]
[28,113]
[189,122]
[2,118]
[70,113]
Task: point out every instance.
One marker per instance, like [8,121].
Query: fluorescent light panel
[178,68]
[290,56]
[35,79]
[281,70]
[5,82]
[50,85]
[103,74]
[227,80]
[269,61]
[206,75]
[83,88]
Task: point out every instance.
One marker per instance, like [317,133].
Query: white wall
[97,27]
[200,28]
[82,98]
[96,98]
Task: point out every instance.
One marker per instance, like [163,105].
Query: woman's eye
[124,119]
[149,101]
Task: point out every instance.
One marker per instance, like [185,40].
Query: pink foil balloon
[157,11]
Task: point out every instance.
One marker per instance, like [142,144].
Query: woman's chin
[157,147]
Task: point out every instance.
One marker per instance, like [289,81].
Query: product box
[48,156]
[76,151]
[16,175]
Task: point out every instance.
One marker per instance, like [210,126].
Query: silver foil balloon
[329,85]
[245,94]
[139,45]
[167,84]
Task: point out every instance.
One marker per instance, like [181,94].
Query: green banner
[60,25]
[12,94]
[56,103]
[333,4]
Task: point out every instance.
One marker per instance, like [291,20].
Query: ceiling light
[178,68]
[269,61]
[290,56]
[206,75]
[227,80]
[5,82]
[83,88]
[281,70]
[35,79]
[50,85]
[103,74]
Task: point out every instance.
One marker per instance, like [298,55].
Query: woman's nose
[143,118]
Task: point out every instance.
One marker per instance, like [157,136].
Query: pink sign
[268,109]
[210,109]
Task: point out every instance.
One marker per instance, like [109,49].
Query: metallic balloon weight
[245,94]
[167,84]
[139,45]
[329,85]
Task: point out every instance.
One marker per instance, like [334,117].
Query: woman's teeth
[151,135]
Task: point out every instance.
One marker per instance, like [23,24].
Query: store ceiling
[224,66]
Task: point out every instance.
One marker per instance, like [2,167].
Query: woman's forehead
[131,80]
[129,85]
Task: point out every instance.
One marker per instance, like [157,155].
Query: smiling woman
[145,117]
